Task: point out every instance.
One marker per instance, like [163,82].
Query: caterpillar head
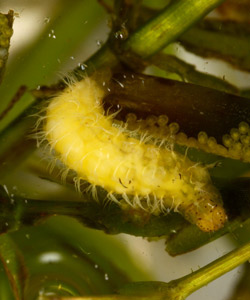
[212,220]
[207,214]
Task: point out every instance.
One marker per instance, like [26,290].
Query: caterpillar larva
[147,176]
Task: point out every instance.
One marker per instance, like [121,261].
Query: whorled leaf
[63,258]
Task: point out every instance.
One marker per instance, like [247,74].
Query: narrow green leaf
[39,63]
[229,41]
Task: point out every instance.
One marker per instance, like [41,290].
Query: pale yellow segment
[101,153]
[104,155]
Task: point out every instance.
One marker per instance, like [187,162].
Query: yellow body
[105,155]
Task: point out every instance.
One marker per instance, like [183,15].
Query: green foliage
[87,262]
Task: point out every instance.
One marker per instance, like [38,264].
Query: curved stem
[192,282]
[167,26]
[181,288]
[152,37]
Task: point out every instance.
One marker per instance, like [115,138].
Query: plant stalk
[192,282]
[181,288]
[167,26]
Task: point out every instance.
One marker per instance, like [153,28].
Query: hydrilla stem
[167,26]
[192,282]
[181,288]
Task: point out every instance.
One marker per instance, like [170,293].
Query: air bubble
[46,20]
[52,34]
[82,66]
[99,43]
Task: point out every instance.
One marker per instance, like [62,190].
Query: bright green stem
[181,288]
[152,37]
[168,25]
[192,282]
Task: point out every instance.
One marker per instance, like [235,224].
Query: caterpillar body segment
[105,154]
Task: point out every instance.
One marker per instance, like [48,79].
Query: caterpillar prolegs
[147,176]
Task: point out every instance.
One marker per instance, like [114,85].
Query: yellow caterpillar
[148,177]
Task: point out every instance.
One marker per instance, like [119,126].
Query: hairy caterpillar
[104,154]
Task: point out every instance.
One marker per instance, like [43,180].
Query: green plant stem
[167,26]
[17,212]
[192,282]
[181,288]
[178,244]
[188,72]
[149,39]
